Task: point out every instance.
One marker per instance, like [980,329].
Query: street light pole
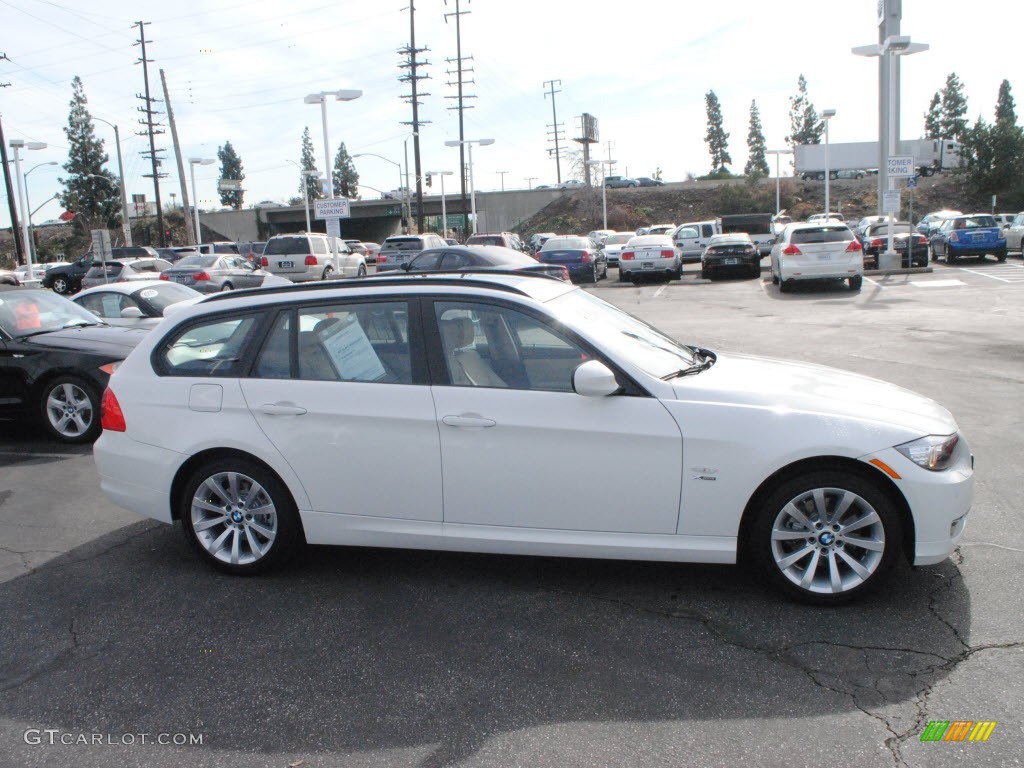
[444,209]
[827,115]
[406,213]
[16,145]
[192,163]
[126,227]
[778,173]
[472,186]
[305,193]
[604,193]
[28,205]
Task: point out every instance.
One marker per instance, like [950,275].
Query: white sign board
[332,208]
[101,244]
[891,202]
[334,227]
[902,166]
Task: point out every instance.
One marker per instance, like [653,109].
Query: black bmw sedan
[55,360]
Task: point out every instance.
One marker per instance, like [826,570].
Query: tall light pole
[126,227]
[827,115]
[305,193]
[16,145]
[403,189]
[887,51]
[321,99]
[604,193]
[192,163]
[778,173]
[472,187]
[444,209]
[28,205]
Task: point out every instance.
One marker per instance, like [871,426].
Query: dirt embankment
[629,209]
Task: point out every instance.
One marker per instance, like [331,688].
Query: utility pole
[502,174]
[193,237]
[151,131]
[556,128]
[411,63]
[529,180]
[460,82]
[11,205]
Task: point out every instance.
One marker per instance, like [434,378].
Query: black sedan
[906,241]
[55,360]
[462,258]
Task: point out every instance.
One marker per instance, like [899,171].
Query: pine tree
[346,178]
[1006,112]
[804,125]
[716,137]
[1007,144]
[90,191]
[933,118]
[310,185]
[230,168]
[757,161]
[954,109]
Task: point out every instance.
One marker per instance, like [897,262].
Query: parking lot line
[1004,273]
[938,283]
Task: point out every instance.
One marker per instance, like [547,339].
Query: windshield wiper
[706,360]
[79,323]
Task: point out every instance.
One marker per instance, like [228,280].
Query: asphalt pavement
[120,648]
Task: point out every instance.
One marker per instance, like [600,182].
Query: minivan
[400,249]
[308,256]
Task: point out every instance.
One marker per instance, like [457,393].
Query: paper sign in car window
[111,306]
[351,352]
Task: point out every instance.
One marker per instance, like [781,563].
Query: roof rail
[459,277]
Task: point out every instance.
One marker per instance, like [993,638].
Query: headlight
[934,452]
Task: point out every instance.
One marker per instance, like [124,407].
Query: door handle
[282,409]
[468,421]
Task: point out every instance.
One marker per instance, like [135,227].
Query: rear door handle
[282,409]
[468,421]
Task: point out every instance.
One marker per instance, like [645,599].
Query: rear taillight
[111,415]
[163,276]
[854,247]
[921,240]
[791,250]
[668,253]
[310,261]
[264,261]
[627,255]
[381,258]
[585,258]
[201,276]
[876,243]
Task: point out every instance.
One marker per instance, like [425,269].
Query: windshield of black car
[625,336]
[28,312]
[883,229]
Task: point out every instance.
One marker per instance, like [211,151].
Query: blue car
[975,235]
[580,255]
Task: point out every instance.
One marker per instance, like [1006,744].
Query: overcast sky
[238,72]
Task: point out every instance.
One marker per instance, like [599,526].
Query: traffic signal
[430,180]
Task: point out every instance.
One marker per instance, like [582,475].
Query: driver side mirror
[594,379]
[404,266]
[131,313]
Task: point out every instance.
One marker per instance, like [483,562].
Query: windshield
[28,312]
[198,260]
[161,296]
[641,344]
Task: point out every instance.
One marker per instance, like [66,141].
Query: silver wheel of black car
[61,285]
[70,409]
[239,516]
[828,536]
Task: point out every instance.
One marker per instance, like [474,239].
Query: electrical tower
[557,130]
[152,131]
[412,63]
[461,70]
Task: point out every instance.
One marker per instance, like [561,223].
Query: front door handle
[282,409]
[468,421]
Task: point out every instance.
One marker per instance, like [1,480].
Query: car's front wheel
[239,516]
[69,408]
[950,256]
[361,272]
[61,285]
[827,537]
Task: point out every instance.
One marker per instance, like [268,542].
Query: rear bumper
[976,249]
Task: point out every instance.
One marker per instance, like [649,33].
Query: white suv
[240,416]
[304,257]
[817,251]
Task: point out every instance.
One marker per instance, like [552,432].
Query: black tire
[623,278]
[61,286]
[328,273]
[855,282]
[820,176]
[785,286]
[929,171]
[833,175]
[807,555]
[69,409]
[705,274]
[361,272]
[950,257]
[1001,255]
[593,276]
[227,287]
[226,528]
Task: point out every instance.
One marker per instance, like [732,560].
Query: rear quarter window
[212,347]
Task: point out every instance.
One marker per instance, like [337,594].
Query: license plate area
[647,265]
[729,262]
[286,264]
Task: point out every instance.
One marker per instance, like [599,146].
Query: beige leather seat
[465,366]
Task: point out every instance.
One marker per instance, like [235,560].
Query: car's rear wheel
[827,537]
[820,176]
[69,407]
[61,285]
[361,272]
[227,287]
[239,516]
[1001,255]
[855,282]
[785,286]
[328,273]
[623,276]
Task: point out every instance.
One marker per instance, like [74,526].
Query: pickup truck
[691,239]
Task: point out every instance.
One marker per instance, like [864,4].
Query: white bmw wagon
[500,396]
